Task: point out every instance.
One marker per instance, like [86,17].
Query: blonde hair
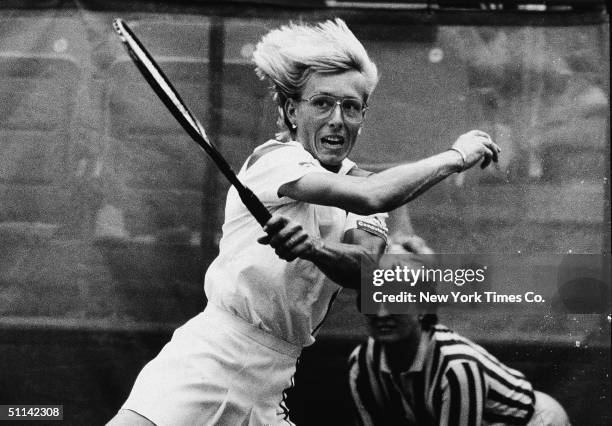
[289,55]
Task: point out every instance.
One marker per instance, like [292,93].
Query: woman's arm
[391,188]
[340,262]
[343,262]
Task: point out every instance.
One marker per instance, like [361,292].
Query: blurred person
[268,292]
[414,371]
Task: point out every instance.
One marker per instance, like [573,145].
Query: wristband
[463,158]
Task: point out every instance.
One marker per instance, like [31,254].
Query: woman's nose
[335,116]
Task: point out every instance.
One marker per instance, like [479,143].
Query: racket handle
[254,205]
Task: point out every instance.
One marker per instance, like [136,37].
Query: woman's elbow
[377,202]
[372,204]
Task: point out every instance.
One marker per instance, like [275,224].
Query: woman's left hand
[474,146]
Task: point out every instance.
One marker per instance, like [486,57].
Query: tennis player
[268,291]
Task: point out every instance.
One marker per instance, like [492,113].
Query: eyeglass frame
[339,101]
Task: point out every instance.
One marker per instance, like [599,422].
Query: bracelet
[463,158]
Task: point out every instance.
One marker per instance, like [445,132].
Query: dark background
[91,373]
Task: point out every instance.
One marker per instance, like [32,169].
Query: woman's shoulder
[279,152]
[275,143]
[281,148]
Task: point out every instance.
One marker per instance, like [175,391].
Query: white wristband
[463,157]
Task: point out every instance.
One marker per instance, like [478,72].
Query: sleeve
[276,168]
[375,224]
[357,381]
[462,395]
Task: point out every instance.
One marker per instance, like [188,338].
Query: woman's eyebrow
[325,92]
[329,93]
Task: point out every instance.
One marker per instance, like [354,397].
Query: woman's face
[329,138]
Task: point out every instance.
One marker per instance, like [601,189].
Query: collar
[419,358]
[273,142]
[346,166]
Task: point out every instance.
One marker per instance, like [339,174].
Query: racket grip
[254,205]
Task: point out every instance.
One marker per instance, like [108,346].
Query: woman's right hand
[476,145]
[287,238]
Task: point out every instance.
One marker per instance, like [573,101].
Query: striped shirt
[452,381]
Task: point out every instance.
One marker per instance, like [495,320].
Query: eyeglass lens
[351,108]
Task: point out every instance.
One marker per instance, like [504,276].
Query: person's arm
[393,187]
[340,262]
[463,396]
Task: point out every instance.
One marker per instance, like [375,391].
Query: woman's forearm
[378,192]
[342,263]
[389,189]
[393,187]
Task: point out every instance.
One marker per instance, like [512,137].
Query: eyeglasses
[353,109]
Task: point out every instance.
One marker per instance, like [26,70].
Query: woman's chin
[331,161]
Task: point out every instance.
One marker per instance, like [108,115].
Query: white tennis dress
[231,364]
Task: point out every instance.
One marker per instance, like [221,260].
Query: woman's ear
[290,111]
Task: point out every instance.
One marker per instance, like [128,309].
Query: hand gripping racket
[170,97]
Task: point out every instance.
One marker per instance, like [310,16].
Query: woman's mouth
[332,141]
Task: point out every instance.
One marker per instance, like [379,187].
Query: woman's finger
[302,248]
[481,133]
[292,248]
[488,156]
[295,240]
[275,224]
[284,234]
[491,149]
[495,149]
[494,155]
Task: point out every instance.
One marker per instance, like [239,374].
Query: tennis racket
[170,97]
